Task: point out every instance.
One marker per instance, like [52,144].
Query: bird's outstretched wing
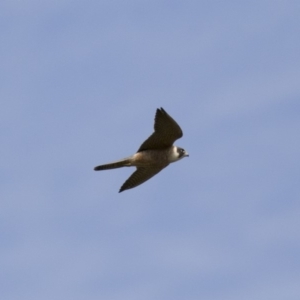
[166,132]
[139,176]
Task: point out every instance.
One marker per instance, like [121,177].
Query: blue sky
[80,83]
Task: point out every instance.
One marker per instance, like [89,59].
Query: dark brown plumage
[154,154]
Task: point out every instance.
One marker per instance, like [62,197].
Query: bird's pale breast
[151,158]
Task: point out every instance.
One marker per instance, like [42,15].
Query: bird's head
[177,154]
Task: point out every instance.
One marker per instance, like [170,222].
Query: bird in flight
[156,152]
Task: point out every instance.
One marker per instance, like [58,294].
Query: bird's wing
[166,132]
[139,176]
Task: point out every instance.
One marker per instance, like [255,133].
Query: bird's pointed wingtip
[160,110]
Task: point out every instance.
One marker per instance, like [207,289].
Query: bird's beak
[186,154]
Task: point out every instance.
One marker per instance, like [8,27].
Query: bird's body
[156,153]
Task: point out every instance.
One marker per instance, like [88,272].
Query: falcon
[155,153]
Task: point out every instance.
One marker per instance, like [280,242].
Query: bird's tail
[125,162]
